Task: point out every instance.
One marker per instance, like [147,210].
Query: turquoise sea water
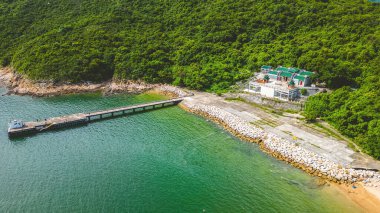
[161,161]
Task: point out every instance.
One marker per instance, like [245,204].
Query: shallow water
[166,160]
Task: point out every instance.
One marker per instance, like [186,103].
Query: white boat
[15,125]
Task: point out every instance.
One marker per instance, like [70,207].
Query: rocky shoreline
[278,147]
[282,149]
[17,84]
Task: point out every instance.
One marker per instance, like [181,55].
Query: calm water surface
[162,161]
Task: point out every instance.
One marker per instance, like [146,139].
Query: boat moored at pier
[19,128]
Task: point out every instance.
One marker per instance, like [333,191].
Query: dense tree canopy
[195,43]
[355,113]
[205,45]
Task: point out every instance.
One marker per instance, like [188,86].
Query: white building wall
[267,91]
[296,81]
[272,76]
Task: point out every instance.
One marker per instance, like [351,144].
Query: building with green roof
[300,77]
[286,76]
[273,75]
[266,68]
[285,69]
[282,69]
[306,73]
[302,80]
[293,70]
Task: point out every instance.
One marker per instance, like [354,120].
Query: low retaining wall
[273,103]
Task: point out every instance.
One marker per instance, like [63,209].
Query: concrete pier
[84,118]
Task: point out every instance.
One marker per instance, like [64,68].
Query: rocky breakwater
[138,87]
[172,91]
[285,150]
[120,86]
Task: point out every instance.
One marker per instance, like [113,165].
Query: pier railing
[84,118]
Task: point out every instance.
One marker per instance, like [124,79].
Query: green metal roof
[272,72]
[300,77]
[306,73]
[266,67]
[286,74]
[282,69]
[291,83]
[285,69]
[293,70]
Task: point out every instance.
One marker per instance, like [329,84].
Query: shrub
[303,91]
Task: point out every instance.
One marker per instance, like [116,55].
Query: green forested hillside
[355,113]
[195,43]
[205,45]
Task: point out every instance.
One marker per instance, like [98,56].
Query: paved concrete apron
[292,129]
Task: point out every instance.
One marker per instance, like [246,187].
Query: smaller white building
[271,90]
[267,91]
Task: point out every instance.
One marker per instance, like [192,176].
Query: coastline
[19,85]
[361,195]
[282,149]
[368,182]
[353,183]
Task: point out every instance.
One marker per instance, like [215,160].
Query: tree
[266,78]
[316,106]
[291,83]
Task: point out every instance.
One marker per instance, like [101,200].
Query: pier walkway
[34,127]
